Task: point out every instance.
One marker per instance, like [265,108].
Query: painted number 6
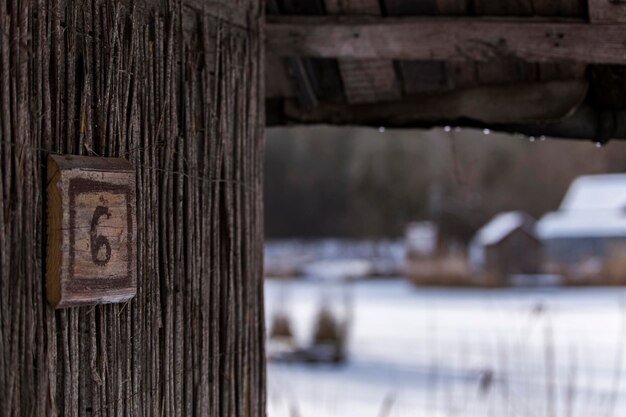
[98,241]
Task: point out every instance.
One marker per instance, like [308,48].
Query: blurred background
[443,272]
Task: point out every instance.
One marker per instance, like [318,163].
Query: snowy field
[456,352]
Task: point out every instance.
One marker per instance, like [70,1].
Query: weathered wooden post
[174,88]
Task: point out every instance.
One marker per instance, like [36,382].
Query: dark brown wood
[452,7]
[447,40]
[322,76]
[369,80]
[520,252]
[606,11]
[560,8]
[359,7]
[92,231]
[175,88]
[519,104]
[410,7]
[462,74]
[277,79]
[301,77]
[424,77]
[503,7]
[505,70]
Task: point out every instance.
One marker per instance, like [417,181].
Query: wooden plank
[560,8]
[313,78]
[91,231]
[410,7]
[362,7]
[480,40]
[462,74]
[424,76]
[277,83]
[605,11]
[368,80]
[505,72]
[296,67]
[551,72]
[325,78]
[520,104]
[503,7]
[608,85]
[452,7]
[365,80]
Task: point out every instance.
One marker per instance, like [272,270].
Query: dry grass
[615,265]
[450,271]
[328,329]
[281,327]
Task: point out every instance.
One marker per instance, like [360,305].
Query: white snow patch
[426,351]
[594,206]
[583,223]
[596,192]
[500,226]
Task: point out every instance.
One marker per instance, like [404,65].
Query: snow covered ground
[456,352]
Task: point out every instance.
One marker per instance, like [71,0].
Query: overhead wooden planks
[520,104]
[410,7]
[452,7]
[368,80]
[364,80]
[560,8]
[480,40]
[362,7]
[313,79]
[606,11]
[423,76]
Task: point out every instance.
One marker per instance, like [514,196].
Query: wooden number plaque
[91,256]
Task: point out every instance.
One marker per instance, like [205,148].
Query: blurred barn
[504,248]
[585,238]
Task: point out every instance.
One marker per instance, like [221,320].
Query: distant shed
[589,228]
[505,246]
[422,239]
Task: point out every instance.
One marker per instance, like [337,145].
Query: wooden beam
[606,11]
[521,103]
[447,39]
[364,80]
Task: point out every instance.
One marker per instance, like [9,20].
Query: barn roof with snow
[501,226]
[495,231]
[596,192]
[594,206]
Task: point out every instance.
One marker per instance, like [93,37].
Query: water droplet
[531,138]
[457,129]
[598,144]
[542,138]
[486,131]
[447,128]
[381,129]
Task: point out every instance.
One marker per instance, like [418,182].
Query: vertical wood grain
[178,93]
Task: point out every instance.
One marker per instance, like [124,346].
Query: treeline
[366,183]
